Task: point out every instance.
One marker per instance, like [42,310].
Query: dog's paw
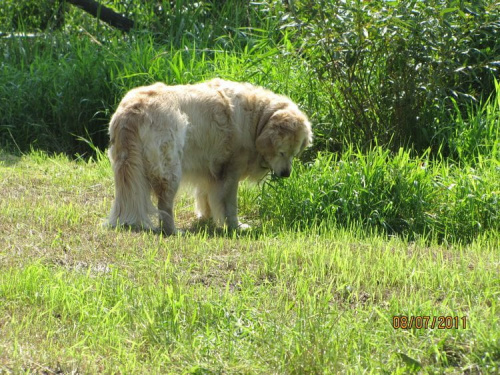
[243,226]
[167,231]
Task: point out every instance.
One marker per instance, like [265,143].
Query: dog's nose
[285,173]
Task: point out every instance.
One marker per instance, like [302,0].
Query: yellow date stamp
[429,322]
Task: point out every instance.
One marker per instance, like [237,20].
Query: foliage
[225,24]
[71,81]
[31,15]
[390,71]
[62,91]
[66,89]
[391,68]
[412,197]
[400,194]
[476,135]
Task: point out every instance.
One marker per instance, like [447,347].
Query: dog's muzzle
[285,173]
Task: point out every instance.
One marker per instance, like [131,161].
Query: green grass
[336,251]
[416,197]
[68,88]
[390,71]
[76,297]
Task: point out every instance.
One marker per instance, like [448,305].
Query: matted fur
[211,135]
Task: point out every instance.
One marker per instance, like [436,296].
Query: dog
[210,135]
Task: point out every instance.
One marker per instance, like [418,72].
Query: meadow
[380,254]
[79,298]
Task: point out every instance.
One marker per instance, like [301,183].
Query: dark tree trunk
[104,14]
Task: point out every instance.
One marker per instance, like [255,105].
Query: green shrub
[390,68]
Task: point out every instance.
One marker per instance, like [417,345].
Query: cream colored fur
[211,135]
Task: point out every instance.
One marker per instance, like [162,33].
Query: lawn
[76,297]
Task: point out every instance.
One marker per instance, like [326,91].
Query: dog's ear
[270,125]
[263,122]
[267,114]
[264,141]
[308,141]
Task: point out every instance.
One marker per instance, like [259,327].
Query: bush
[390,68]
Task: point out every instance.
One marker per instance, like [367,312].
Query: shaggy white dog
[210,135]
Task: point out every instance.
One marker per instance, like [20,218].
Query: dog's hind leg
[132,205]
[166,190]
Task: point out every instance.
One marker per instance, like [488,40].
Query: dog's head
[284,135]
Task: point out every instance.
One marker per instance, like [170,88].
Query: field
[76,297]
[380,254]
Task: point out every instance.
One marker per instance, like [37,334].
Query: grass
[391,71]
[337,251]
[395,194]
[68,88]
[76,297]
[416,196]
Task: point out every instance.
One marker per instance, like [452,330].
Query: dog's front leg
[223,201]
[230,203]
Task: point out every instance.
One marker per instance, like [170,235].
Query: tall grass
[477,134]
[62,86]
[389,71]
[403,193]
[52,90]
[400,194]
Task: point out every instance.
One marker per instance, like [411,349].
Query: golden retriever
[211,135]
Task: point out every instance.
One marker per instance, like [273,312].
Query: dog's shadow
[208,228]
[204,228]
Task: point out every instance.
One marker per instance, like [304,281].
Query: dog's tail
[132,205]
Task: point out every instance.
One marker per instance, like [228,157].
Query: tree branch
[104,14]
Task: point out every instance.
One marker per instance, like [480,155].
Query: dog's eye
[282,153]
